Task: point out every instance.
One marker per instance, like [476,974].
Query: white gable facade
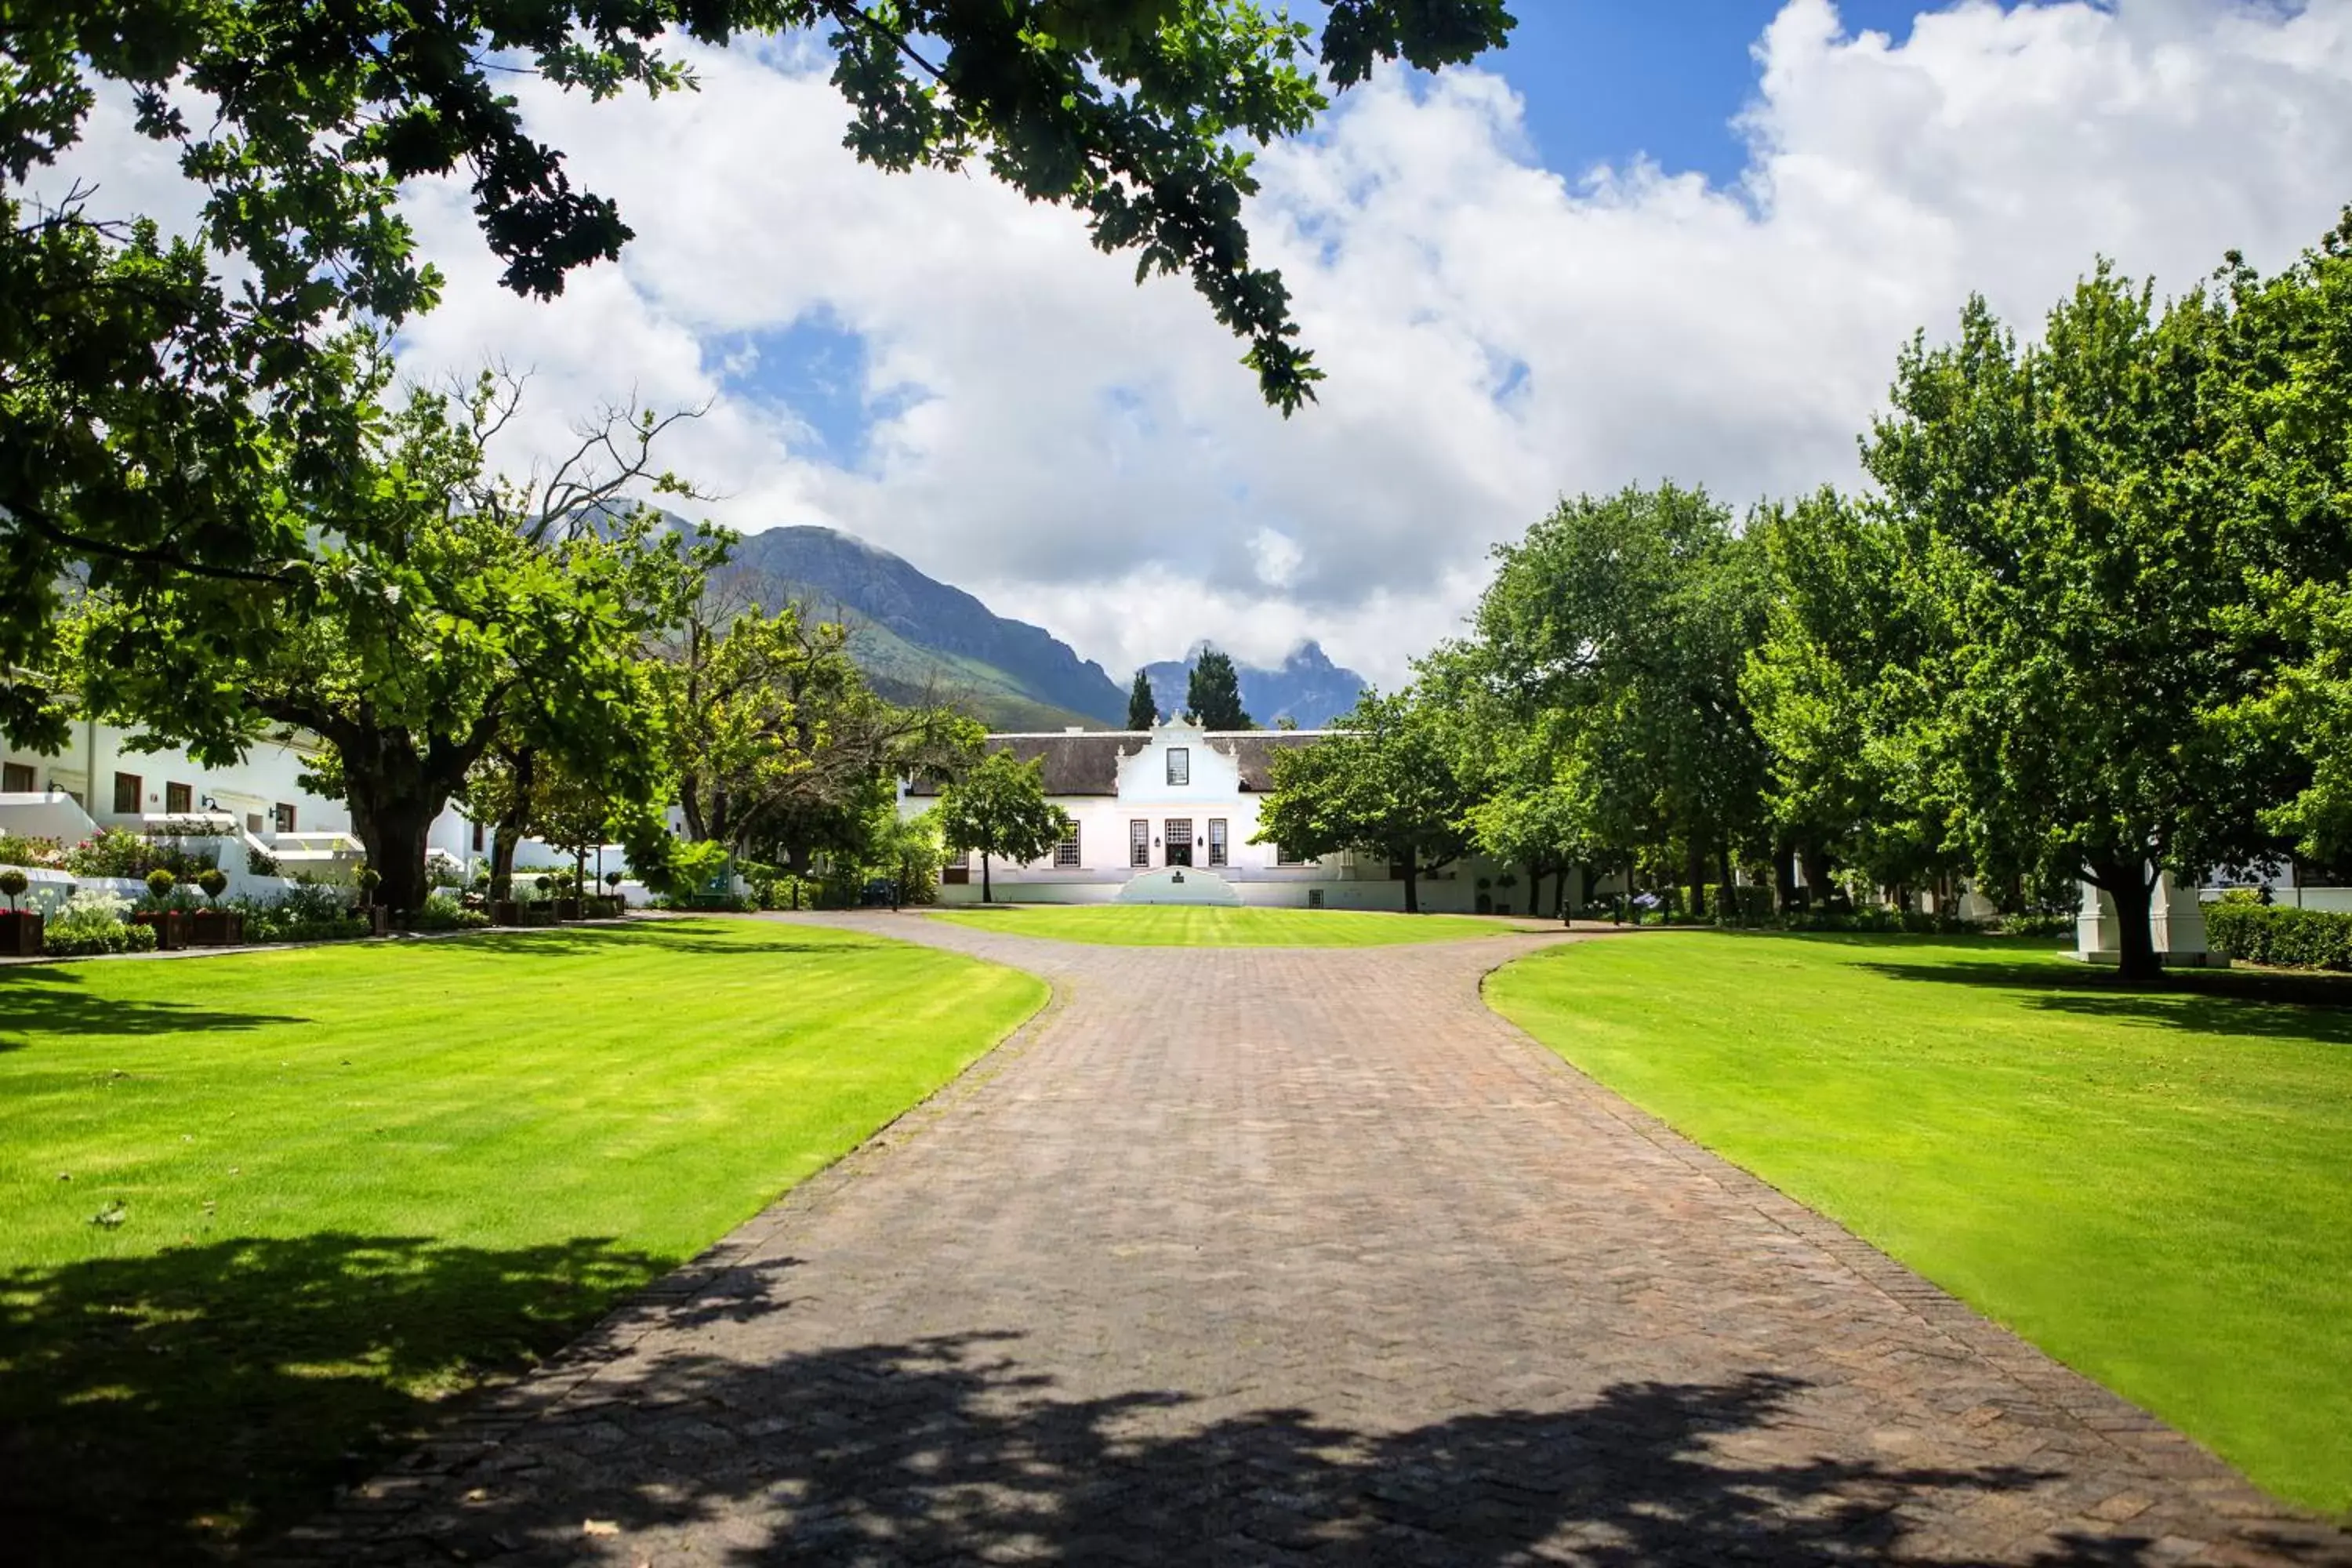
[1168,815]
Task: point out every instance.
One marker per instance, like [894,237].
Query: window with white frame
[1066,853]
[1179,765]
[1139,841]
[1216,841]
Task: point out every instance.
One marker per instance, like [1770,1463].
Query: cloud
[1088,453]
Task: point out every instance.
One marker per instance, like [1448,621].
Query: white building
[1167,815]
[99,781]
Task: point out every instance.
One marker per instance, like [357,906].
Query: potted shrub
[20,929]
[540,911]
[368,909]
[568,904]
[170,924]
[503,910]
[214,926]
[613,905]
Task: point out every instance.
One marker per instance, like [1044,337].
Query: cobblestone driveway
[1247,1255]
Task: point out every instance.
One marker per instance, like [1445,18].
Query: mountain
[916,637]
[1307,687]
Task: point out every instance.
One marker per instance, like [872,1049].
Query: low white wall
[2334,900]
[44,813]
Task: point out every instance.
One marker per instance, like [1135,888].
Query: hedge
[88,941]
[2281,935]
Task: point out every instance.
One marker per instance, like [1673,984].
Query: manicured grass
[343,1183]
[1183,925]
[2155,1187]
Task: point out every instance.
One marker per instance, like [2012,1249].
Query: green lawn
[1186,925]
[2157,1188]
[347,1180]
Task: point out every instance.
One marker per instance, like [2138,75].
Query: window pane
[15,778]
[178,798]
[1179,766]
[1216,841]
[1138,843]
[1066,853]
[126,793]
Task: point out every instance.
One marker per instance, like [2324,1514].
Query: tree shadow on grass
[163,1408]
[947,1450]
[2313,1007]
[57,1002]
[577,941]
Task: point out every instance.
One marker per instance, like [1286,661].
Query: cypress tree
[1142,708]
[1215,694]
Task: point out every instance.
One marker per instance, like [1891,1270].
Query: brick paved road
[1246,1254]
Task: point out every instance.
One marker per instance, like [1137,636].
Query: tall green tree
[2282,387]
[1142,707]
[147,402]
[999,807]
[462,610]
[1213,692]
[780,749]
[2063,530]
[1382,784]
[1620,625]
[1835,692]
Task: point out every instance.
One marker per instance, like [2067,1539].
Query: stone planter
[174,929]
[20,933]
[505,913]
[216,928]
[567,909]
[539,914]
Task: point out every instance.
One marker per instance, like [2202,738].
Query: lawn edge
[479,1420]
[2056,1387]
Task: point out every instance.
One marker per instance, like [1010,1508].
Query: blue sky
[1606,79]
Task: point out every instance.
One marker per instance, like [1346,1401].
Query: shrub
[119,852]
[442,912]
[16,851]
[92,923]
[2038,923]
[304,913]
[2279,935]
[13,882]
[259,862]
[159,887]
[214,881]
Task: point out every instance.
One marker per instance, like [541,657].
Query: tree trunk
[987,893]
[2129,887]
[1727,904]
[1412,883]
[1816,863]
[394,833]
[511,825]
[1784,875]
[1695,873]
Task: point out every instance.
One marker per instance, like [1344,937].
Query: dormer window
[1179,766]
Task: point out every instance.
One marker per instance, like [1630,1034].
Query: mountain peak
[1306,688]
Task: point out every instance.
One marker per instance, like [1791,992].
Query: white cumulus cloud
[1088,453]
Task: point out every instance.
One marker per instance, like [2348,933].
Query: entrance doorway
[1176,834]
